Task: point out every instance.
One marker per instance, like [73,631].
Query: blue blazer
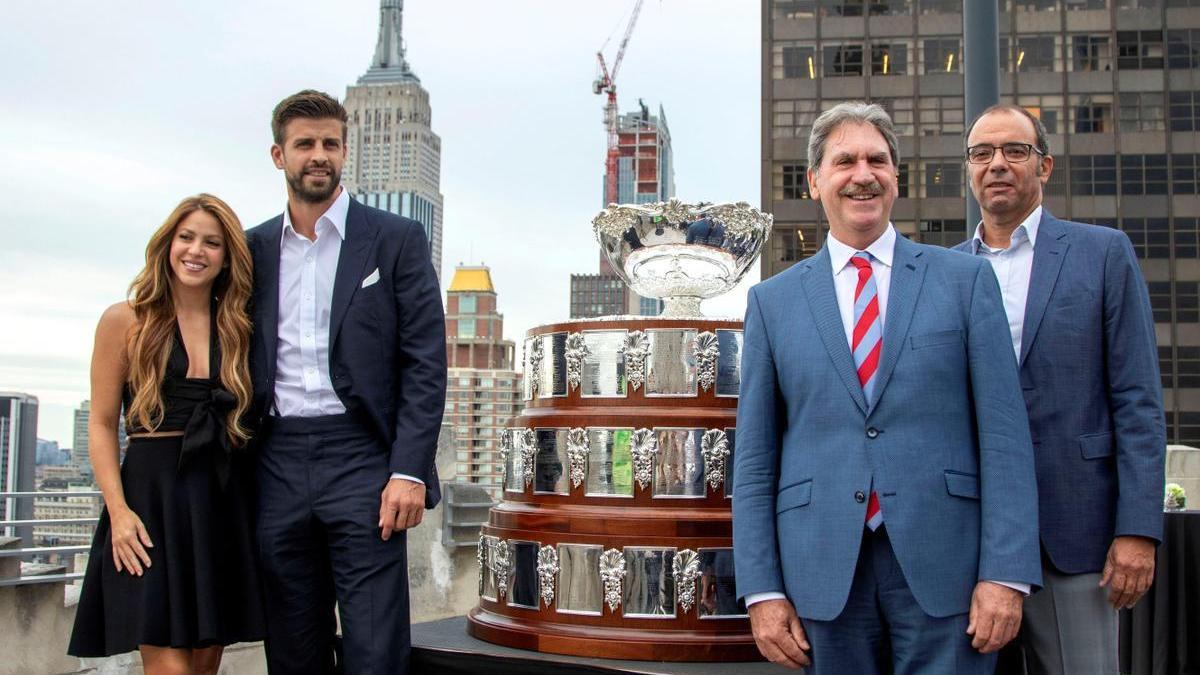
[946,444]
[1089,373]
[387,343]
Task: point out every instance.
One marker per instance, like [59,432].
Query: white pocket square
[371,278]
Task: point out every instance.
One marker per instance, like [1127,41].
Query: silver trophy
[680,252]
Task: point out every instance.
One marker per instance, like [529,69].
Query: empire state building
[394,157]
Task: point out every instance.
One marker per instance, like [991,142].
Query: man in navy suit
[348,362]
[1080,324]
[885,509]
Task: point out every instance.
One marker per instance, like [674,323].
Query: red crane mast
[605,83]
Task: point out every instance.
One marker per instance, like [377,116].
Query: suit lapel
[822,301]
[268,296]
[1048,256]
[352,260]
[908,273]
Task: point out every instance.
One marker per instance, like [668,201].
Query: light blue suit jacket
[945,445]
[1089,374]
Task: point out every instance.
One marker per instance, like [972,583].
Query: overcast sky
[112,112]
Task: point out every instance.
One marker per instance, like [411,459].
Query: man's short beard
[315,196]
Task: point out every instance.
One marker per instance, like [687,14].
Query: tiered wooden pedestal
[614,538]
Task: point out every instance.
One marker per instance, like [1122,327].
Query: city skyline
[136,108]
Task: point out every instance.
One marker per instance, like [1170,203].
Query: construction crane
[606,83]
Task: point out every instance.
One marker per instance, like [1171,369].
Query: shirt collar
[1028,228]
[881,249]
[334,215]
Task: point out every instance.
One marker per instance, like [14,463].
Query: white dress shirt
[307,270]
[1013,267]
[845,281]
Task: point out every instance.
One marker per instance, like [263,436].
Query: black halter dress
[194,495]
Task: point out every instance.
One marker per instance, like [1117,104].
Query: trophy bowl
[680,252]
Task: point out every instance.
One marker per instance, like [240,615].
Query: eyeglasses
[1013,152]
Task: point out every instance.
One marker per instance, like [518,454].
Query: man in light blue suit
[1080,323]
[885,509]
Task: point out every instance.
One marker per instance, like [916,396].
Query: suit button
[872,432]
[860,497]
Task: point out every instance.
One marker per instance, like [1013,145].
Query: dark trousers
[884,630]
[320,481]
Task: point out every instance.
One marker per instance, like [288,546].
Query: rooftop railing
[44,552]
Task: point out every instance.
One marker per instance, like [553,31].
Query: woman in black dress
[171,571]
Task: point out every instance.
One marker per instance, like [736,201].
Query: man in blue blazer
[1080,323]
[884,510]
[349,368]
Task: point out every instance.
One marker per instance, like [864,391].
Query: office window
[901,112]
[941,55]
[1093,175]
[466,304]
[842,7]
[1057,183]
[793,9]
[1150,237]
[1164,369]
[1037,5]
[793,118]
[903,180]
[1183,3]
[1086,4]
[1183,49]
[1186,240]
[943,179]
[940,6]
[1187,363]
[1139,4]
[1090,52]
[1143,174]
[1038,54]
[1141,111]
[466,328]
[1139,49]
[940,115]
[790,181]
[1184,174]
[1091,113]
[1185,111]
[889,7]
[788,245]
[1048,109]
[942,232]
[889,59]
[1160,300]
[1187,301]
[842,60]
[793,62]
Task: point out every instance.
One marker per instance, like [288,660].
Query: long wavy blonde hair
[152,335]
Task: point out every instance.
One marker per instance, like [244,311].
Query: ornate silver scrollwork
[525,442]
[715,448]
[686,569]
[635,350]
[707,350]
[577,352]
[577,454]
[612,572]
[506,447]
[741,221]
[535,364]
[644,447]
[481,557]
[501,565]
[547,570]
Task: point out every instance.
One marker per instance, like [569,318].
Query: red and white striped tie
[866,344]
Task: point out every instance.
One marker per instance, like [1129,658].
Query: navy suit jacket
[945,445]
[1089,373]
[387,343]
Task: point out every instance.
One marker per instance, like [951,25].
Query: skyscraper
[80,454]
[483,392]
[18,457]
[1112,80]
[393,157]
[645,173]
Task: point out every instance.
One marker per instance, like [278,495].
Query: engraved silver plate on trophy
[603,373]
[580,590]
[671,364]
[489,586]
[679,469]
[523,574]
[717,594]
[649,584]
[610,463]
[553,381]
[681,252]
[550,462]
[729,363]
